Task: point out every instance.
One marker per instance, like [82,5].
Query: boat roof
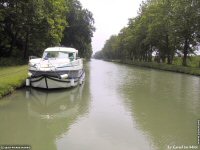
[61,49]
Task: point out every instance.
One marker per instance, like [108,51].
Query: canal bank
[161,66]
[12,78]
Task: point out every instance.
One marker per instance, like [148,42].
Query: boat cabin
[60,53]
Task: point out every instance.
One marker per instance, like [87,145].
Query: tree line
[27,27]
[162,29]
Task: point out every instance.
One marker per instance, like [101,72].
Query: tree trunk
[150,54]
[163,59]
[185,52]
[11,46]
[169,58]
[12,43]
[26,45]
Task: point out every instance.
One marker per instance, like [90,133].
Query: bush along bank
[162,66]
[12,78]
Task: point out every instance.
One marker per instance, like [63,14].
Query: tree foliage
[163,28]
[27,27]
[80,29]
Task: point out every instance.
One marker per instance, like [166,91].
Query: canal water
[119,107]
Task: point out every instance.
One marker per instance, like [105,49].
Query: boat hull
[52,82]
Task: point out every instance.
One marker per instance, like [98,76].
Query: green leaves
[80,29]
[29,26]
[56,20]
[162,27]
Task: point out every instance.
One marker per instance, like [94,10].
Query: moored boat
[59,67]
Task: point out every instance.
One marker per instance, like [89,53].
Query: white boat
[60,67]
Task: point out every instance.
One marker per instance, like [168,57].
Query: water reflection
[53,105]
[41,117]
[164,105]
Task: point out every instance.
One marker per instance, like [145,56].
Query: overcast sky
[110,17]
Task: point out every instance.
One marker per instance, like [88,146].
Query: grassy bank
[12,78]
[192,61]
[161,66]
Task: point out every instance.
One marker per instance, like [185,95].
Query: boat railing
[32,57]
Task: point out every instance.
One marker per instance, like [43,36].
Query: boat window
[63,55]
[71,56]
[53,54]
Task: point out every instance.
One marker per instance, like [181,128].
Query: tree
[162,26]
[186,25]
[27,27]
[28,23]
[80,29]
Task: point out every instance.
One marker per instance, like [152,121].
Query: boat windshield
[57,54]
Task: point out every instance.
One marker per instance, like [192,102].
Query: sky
[110,17]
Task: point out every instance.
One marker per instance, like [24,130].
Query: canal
[119,107]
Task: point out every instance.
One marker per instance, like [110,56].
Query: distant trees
[29,26]
[162,27]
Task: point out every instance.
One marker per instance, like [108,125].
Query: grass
[12,78]
[162,66]
[193,67]
[193,61]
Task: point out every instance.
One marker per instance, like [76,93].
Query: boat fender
[64,76]
[72,82]
[29,74]
[27,82]
[80,81]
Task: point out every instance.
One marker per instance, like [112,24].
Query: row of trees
[165,28]
[27,27]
